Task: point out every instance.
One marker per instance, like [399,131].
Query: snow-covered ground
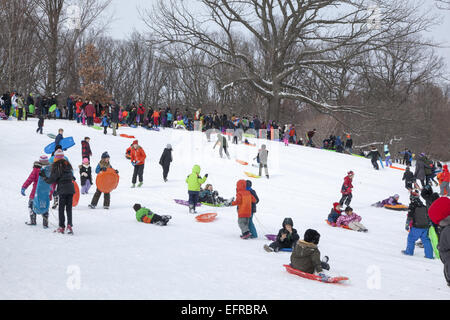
[112,256]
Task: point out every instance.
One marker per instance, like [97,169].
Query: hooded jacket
[445,175]
[33,178]
[263,155]
[306,257]
[345,219]
[166,157]
[138,155]
[194,180]
[335,213]
[253,192]
[417,214]
[291,238]
[347,186]
[244,200]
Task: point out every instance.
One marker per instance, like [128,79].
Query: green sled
[434,241]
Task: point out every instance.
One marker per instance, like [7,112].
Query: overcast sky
[127,19]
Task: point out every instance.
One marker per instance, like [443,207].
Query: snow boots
[246,235]
[192,209]
[69,229]
[32,219]
[45,220]
[140,184]
[267,248]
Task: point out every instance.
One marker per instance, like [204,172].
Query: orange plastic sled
[251,175]
[342,226]
[401,169]
[242,162]
[398,207]
[207,217]
[127,136]
[76,195]
[107,180]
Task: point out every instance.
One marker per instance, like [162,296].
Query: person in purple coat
[392,201]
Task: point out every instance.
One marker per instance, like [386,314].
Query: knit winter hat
[350,173]
[43,160]
[105,155]
[312,236]
[85,161]
[439,210]
[59,154]
[169,146]
[135,142]
[137,207]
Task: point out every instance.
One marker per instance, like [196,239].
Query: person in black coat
[166,159]
[374,155]
[286,238]
[62,175]
[409,179]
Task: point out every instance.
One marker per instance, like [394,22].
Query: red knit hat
[439,210]
[135,142]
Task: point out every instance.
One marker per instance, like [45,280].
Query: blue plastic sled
[286,249]
[66,143]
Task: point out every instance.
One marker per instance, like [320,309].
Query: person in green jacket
[147,216]
[194,181]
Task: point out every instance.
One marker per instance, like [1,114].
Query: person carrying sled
[346,189]
[165,160]
[62,175]
[244,201]
[103,165]
[352,220]
[417,224]
[194,181]
[306,255]
[147,216]
[287,237]
[138,161]
[335,213]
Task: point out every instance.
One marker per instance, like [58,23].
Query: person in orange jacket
[444,179]
[244,200]
[156,118]
[138,161]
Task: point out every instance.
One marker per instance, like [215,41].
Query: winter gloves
[23,192]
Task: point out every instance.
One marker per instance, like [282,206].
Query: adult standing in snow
[90,111]
[374,156]
[223,145]
[165,160]
[138,161]
[419,173]
[115,110]
[440,215]
[349,144]
[263,156]
[62,175]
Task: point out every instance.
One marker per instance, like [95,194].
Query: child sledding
[210,197]
[287,237]
[147,216]
[391,203]
[351,220]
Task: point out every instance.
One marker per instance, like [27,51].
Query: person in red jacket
[445,178]
[346,189]
[138,161]
[78,105]
[156,118]
[244,200]
[90,111]
[140,114]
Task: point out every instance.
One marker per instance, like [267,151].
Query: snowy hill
[115,257]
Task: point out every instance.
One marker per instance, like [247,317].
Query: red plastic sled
[242,162]
[207,217]
[76,195]
[107,180]
[401,169]
[313,276]
[127,136]
[343,227]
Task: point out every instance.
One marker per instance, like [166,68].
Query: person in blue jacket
[41,201]
[59,137]
[105,123]
[251,225]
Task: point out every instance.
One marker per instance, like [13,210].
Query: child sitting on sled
[209,195]
[392,201]
[352,220]
[306,255]
[147,216]
[287,237]
[335,213]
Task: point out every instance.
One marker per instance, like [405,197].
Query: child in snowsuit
[59,137]
[209,195]
[251,225]
[33,178]
[138,157]
[86,149]
[335,213]
[440,215]
[287,237]
[409,179]
[85,176]
[194,181]
[102,166]
[417,224]
[392,201]
[244,200]
[263,154]
[40,124]
[445,178]
[62,175]
[105,124]
[352,220]
[147,216]
[306,255]
[346,189]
